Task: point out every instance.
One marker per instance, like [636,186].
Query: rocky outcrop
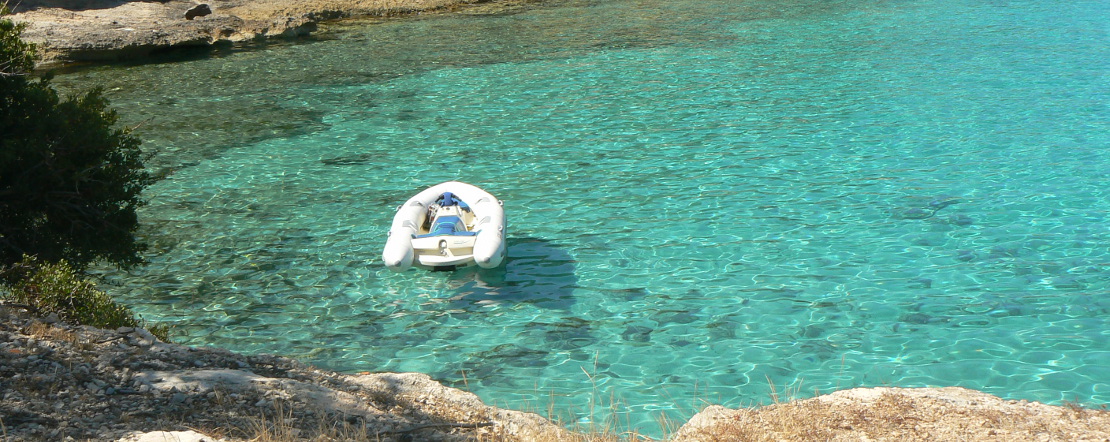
[107,30]
[59,381]
[900,414]
[127,30]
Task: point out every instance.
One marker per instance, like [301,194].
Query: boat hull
[480,242]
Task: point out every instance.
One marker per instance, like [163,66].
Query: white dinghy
[447,226]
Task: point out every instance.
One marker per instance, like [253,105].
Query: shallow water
[709,202]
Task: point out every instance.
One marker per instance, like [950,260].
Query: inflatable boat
[445,227]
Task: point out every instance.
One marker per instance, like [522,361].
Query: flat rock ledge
[109,30]
[63,382]
[900,414]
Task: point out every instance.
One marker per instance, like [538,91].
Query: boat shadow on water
[536,271]
[540,274]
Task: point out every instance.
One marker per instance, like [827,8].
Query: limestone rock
[885,413]
[59,376]
[108,30]
[168,436]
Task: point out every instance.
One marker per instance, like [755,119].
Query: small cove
[704,198]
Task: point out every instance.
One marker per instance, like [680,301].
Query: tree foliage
[16,56]
[70,181]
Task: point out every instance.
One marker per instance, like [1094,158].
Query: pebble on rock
[200,10]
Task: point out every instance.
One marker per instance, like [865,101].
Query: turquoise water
[708,201]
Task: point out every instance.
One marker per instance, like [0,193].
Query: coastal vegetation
[70,183]
[56,288]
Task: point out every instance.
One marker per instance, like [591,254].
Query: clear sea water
[710,201]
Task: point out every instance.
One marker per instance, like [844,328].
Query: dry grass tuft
[42,330]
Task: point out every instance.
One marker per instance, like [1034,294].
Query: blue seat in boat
[447,225]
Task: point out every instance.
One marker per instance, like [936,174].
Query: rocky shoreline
[68,31]
[65,382]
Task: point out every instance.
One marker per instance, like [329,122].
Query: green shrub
[70,180]
[60,289]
